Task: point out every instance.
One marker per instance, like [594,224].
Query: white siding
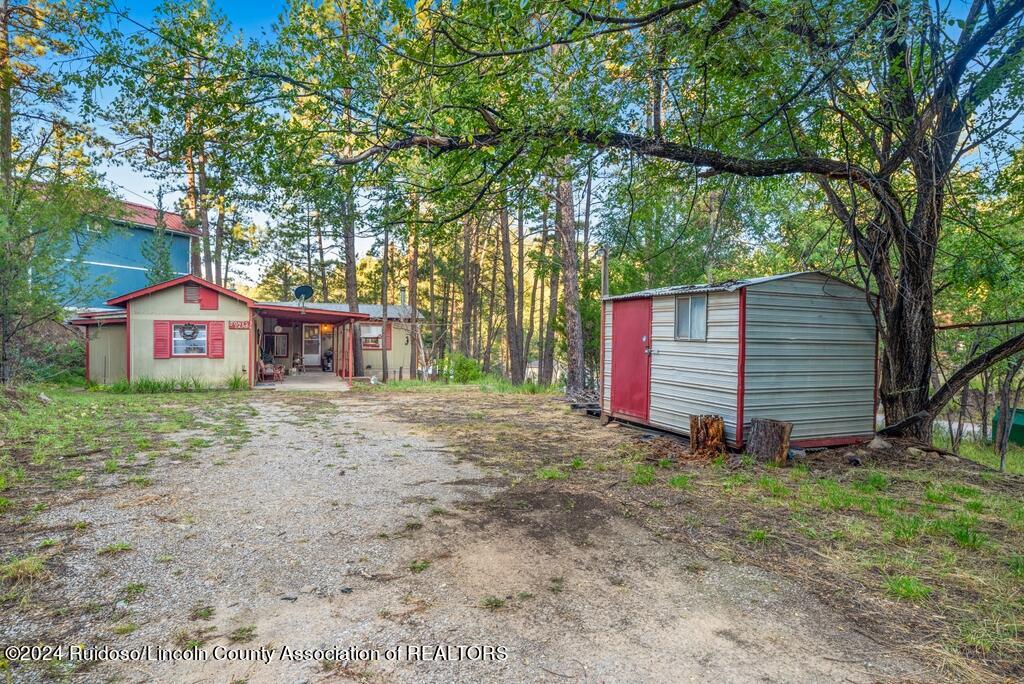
[692,378]
[606,362]
[810,358]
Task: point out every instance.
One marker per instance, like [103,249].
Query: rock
[290,597]
[346,590]
[44,399]
[853,459]
[307,589]
[914,451]
[796,453]
[878,443]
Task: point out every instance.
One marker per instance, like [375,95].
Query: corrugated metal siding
[606,373]
[691,378]
[810,357]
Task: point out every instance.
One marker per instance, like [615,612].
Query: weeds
[23,569]
[551,473]
[907,588]
[643,475]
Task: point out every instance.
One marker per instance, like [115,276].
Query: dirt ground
[349,521]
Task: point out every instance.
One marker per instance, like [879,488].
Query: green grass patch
[681,482]
[23,569]
[907,588]
[551,473]
[643,475]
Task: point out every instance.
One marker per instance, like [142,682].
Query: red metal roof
[179,281]
[141,215]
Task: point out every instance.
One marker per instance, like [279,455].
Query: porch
[312,346]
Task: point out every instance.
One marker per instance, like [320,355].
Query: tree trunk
[465,333]
[520,280]
[384,305]
[489,332]
[414,322]
[565,226]
[351,281]
[547,360]
[513,332]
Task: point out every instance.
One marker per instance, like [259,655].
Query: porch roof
[308,314]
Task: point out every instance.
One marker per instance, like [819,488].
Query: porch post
[351,352]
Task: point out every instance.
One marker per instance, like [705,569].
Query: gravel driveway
[345,528]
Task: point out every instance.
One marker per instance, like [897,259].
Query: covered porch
[310,348]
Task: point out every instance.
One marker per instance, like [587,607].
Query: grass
[201,612]
[241,635]
[643,475]
[907,588]
[492,602]
[984,453]
[115,548]
[23,569]
[488,383]
[681,482]
[551,473]
[123,628]
[418,566]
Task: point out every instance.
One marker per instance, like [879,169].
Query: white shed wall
[694,377]
[810,357]
[606,361]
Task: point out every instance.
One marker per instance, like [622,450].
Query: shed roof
[725,286]
[395,311]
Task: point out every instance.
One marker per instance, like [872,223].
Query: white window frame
[205,337]
[675,317]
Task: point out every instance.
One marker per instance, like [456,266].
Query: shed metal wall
[698,377]
[106,353]
[606,359]
[169,305]
[810,357]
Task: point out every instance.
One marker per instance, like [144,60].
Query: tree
[876,107]
[51,204]
[157,249]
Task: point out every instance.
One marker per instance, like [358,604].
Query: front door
[311,344]
[631,359]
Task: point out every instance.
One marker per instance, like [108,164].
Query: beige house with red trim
[188,328]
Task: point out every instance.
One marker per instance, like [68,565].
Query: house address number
[238,325]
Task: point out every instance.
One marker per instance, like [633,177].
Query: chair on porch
[274,373]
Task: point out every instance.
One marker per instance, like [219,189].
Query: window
[692,317]
[188,339]
[372,336]
[191,293]
[276,344]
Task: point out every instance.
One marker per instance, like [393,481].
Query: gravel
[307,534]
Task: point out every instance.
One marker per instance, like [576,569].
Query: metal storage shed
[798,347]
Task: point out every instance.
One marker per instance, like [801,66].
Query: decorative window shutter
[215,339]
[161,339]
[207,299]
[387,336]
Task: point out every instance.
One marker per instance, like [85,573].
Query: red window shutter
[207,299]
[161,339]
[387,336]
[215,339]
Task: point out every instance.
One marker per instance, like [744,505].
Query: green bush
[161,385]
[460,369]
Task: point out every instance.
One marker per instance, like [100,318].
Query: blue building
[117,262]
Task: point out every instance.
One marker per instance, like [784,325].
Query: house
[798,347]
[377,339]
[189,328]
[116,261]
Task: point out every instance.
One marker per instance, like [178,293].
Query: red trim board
[87,355]
[128,341]
[741,366]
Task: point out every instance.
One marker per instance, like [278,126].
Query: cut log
[707,435]
[769,440]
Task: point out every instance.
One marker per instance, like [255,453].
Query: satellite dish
[303,292]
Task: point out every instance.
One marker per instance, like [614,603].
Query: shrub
[460,369]
[238,382]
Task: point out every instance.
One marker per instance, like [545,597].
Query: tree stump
[769,440]
[707,435]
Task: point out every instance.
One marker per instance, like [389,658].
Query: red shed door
[631,361]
